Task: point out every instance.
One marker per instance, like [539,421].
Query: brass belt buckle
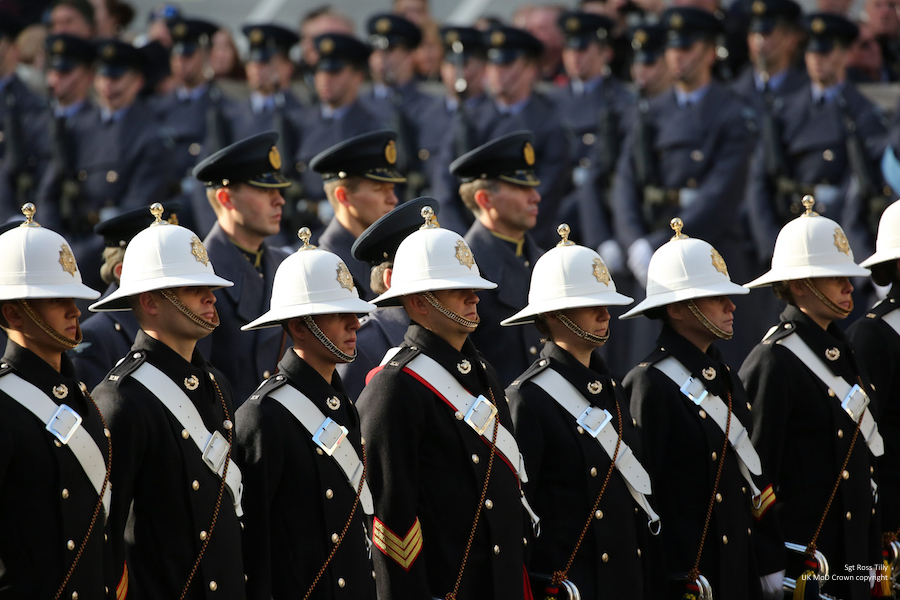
[63,423]
[329,436]
[480,414]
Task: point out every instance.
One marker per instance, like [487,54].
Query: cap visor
[393,295]
[725,288]
[881,256]
[526,178]
[761,25]
[577,42]
[184,49]
[270,180]
[113,71]
[820,45]
[119,299]
[503,56]
[528,314]
[276,316]
[386,175]
[62,64]
[646,58]
[70,290]
[331,65]
[808,272]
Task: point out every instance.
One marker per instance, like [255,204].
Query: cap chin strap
[57,337]
[432,300]
[719,333]
[574,328]
[176,301]
[826,300]
[320,335]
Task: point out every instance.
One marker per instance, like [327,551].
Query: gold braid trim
[826,300]
[432,300]
[574,328]
[329,345]
[58,337]
[171,297]
[719,333]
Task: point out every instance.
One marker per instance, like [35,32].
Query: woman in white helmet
[816,436]
[707,485]
[570,415]
[443,464]
[174,518]
[876,339]
[54,456]
[299,445]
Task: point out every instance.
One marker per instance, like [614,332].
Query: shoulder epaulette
[535,368]
[882,308]
[780,331]
[267,386]
[127,365]
[402,358]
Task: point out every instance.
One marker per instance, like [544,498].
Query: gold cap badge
[497,39]
[180,30]
[818,26]
[58,47]
[383,25]
[573,24]
[390,152]
[640,37]
[199,251]
[840,241]
[326,46]
[109,51]
[257,36]
[344,277]
[67,260]
[758,7]
[464,255]
[528,153]
[275,158]
[676,21]
[601,272]
[719,262]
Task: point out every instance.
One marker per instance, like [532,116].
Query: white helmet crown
[887,245]
[684,268]
[810,246]
[36,262]
[163,256]
[568,276]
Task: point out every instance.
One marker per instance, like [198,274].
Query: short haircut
[83,6]
[112,255]
[351,183]
[467,192]
[376,279]
[782,290]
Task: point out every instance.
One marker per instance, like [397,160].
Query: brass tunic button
[593,471]
[213,586]
[106,432]
[718,497]
[65,494]
[748,531]
[633,422]
[724,539]
[70,544]
[840,433]
[828,155]
[319,451]
[228,425]
[74,595]
[845,474]
[194,149]
[831,392]
[112,176]
[744,488]
[335,537]
[489,504]
[639,552]
[580,429]
[598,514]
[702,414]
[118,327]
[496,549]
[266,374]
[57,443]
[715,456]
[604,557]
[82,175]
[203,536]
[185,434]
[524,541]
[848,515]
[329,494]
[533,350]
[195,485]
[341,582]
[424,154]
[588,139]
[475,459]
[871,470]
[696,155]
[749,407]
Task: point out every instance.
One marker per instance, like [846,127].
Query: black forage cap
[506,44]
[387,31]
[371,155]
[118,231]
[115,58]
[827,30]
[254,160]
[337,50]
[581,29]
[766,14]
[268,39]
[648,42]
[465,41]
[189,34]
[509,158]
[65,52]
[686,25]
[379,242]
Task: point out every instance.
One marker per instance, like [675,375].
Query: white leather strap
[213,446]
[694,390]
[337,446]
[853,399]
[65,423]
[603,431]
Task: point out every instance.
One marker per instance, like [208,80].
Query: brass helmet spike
[304,234]
[677,225]
[431,221]
[28,210]
[564,230]
[157,210]
[808,202]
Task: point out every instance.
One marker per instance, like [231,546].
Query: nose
[353,322]
[603,314]
[729,305]
[208,296]
[279,199]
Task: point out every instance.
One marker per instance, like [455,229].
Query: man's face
[65,19]
[883,18]
[511,80]
[865,54]
[257,210]
[836,289]
[514,206]
[262,77]
[828,68]
[198,299]
[461,302]
[387,65]
[338,88]
[370,201]
[188,68]
[316,27]
[719,310]
[472,72]
[60,314]
[71,86]
[651,78]
[593,319]
[584,64]
[689,65]
[340,329]
[115,93]
[770,48]
[541,23]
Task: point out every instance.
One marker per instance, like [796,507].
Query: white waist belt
[64,423]
[328,435]
[213,447]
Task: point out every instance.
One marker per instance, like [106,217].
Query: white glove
[773,585]
[639,254]
[872,573]
[611,253]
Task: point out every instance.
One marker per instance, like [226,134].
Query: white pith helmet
[432,259]
[161,257]
[810,246]
[36,262]
[684,268]
[887,244]
[568,276]
[310,282]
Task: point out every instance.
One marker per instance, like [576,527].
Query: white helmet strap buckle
[45,327]
[826,300]
[181,306]
[329,345]
[574,328]
[712,327]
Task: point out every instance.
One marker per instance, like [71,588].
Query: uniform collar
[775,81]
[68,111]
[108,116]
[517,244]
[690,98]
[465,365]
[33,369]
[335,114]
[512,109]
[260,103]
[706,367]
[180,371]
[309,381]
[825,94]
[184,94]
[829,345]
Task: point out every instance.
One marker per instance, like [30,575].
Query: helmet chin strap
[826,300]
[574,328]
[719,333]
[176,301]
[329,345]
[432,300]
[45,327]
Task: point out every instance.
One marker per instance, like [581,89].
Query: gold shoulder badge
[180,30]
[758,7]
[67,260]
[601,272]
[497,39]
[840,241]
[344,277]
[59,47]
[676,21]
[257,36]
[275,158]
[326,46]
[573,24]
[109,51]
[464,255]
[390,152]
[818,26]
[383,25]
[719,263]
[199,251]
[528,153]
[832,354]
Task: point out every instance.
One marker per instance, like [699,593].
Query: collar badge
[832,354]
[191,382]
[595,387]
[333,403]
[708,373]
[465,367]
[60,391]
